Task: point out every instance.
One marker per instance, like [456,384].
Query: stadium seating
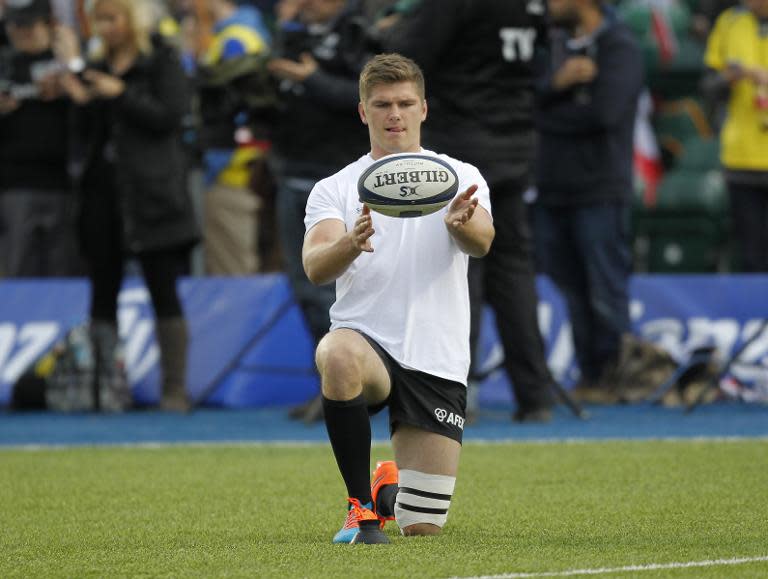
[674,67]
[700,155]
[680,121]
[680,77]
[687,229]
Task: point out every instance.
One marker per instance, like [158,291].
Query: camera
[291,40]
[77,67]
[18,91]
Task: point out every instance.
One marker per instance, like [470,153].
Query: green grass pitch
[270,511]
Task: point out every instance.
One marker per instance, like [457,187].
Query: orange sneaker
[386,473]
[351,532]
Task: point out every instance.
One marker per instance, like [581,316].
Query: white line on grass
[627,569]
[609,440]
[377,442]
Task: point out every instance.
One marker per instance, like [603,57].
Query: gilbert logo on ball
[408,185]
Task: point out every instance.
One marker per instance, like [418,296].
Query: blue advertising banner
[677,312]
[250,346]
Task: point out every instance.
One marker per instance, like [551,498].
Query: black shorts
[422,400]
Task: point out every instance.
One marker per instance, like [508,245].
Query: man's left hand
[462,209]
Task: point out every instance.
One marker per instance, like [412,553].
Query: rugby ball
[408,185]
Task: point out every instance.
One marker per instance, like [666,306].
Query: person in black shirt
[3,34]
[318,56]
[36,230]
[479,58]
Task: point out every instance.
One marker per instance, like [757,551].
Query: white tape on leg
[423,498]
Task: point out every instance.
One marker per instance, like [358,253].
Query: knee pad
[423,498]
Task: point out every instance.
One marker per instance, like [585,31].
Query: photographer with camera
[36,229]
[319,53]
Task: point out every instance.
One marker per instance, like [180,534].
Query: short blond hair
[390,69]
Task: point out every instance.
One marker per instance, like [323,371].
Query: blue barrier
[250,347]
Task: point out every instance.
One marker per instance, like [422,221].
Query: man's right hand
[329,248]
[575,70]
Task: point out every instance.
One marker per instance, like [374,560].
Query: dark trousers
[37,234]
[749,224]
[505,280]
[101,233]
[585,250]
[161,270]
[314,301]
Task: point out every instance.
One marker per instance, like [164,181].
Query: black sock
[349,430]
[385,503]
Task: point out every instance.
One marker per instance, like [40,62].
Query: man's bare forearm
[325,262]
[474,237]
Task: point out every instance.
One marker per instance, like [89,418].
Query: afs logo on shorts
[443,415]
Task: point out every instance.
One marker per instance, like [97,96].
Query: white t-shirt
[411,293]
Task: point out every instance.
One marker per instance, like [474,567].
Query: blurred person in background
[320,49]
[132,95]
[36,202]
[3,35]
[587,97]
[481,110]
[737,62]
[186,18]
[374,10]
[230,148]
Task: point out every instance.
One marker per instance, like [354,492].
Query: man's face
[320,11]
[214,8]
[394,113]
[29,37]
[563,12]
[758,7]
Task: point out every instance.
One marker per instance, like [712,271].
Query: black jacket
[478,60]
[317,130]
[585,148]
[131,147]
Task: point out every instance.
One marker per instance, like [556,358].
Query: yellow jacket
[736,39]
